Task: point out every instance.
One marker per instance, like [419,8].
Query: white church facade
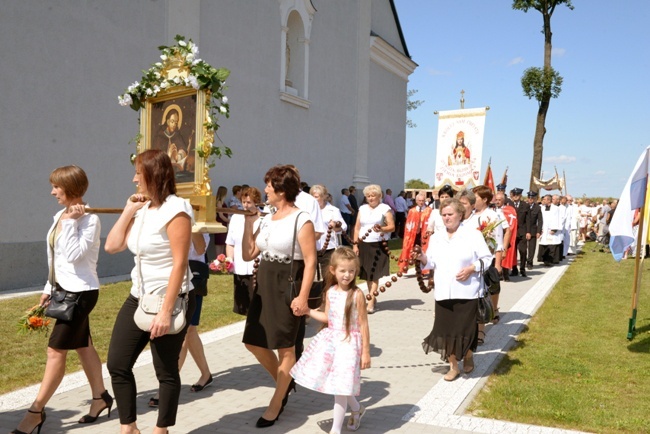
[321,84]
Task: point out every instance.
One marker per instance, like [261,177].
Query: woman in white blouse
[274,314]
[334,219]
[73,248]
[455,257]
[374,224]
[156,226]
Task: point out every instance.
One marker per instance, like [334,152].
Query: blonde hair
[320,189]
[373,189]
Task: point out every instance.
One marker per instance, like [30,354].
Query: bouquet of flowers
[34,320]
[487,230]
[222,265]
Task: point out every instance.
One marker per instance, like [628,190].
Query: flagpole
[566,189]
[636,286]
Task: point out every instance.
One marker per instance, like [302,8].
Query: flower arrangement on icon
[222,264]
[487,230]
[34,320]
[199,75]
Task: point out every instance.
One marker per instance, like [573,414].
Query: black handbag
[200,275]
[315,292]
[62,304]
[485,311]
[492,279]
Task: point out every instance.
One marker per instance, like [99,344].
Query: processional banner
[459,148]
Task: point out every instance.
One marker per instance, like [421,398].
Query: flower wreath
[197,74]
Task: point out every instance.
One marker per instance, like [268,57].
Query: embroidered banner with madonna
[459,148]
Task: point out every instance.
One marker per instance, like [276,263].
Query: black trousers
[349,220]
[522,248]
[532,245]
[127,342]
[400,221]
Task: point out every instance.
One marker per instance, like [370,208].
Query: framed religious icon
[180,99]
[174,123]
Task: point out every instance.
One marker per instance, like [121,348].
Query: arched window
[297,17]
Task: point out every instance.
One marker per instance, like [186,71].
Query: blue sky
[597,127]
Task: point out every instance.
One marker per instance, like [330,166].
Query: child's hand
[365,361]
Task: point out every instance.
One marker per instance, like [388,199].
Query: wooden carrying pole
[636,285]
[119,210]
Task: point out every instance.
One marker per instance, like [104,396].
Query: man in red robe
[415,230]
[509,260]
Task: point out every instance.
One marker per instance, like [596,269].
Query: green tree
[412,104]
[417,184]
[541,83]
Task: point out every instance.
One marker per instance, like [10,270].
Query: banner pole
[636,286]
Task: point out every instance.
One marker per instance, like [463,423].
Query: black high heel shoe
[263,423]
[108,400]
[292,385]
[39,426]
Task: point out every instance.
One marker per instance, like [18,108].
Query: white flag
[632,198]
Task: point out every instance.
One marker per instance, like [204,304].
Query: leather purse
[315,292]
[492,279]
[485,311]
[62,304]
[150,304]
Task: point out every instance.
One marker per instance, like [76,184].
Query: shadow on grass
[642,345]
[506,364]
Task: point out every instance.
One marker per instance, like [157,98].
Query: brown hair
[284,179]
[343,254]
[253,193]
[158,173]
[484,192]
[72,179]
[222,191]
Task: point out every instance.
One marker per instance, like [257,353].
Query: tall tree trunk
[540,128]
[538,143]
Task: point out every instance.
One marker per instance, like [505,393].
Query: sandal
[479,339]
[496,318]
[468,364]
[354,422]
[199,387]
[452,374]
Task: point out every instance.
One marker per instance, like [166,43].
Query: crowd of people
[295,255]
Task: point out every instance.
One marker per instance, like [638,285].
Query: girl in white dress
[333,360]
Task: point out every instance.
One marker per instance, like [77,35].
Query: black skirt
[270,322]
[374,261]
[243,293]
[70,335]
[455,330]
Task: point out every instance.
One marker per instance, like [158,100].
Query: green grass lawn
[574,367]
[24,355]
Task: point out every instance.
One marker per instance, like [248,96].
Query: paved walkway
[403,391]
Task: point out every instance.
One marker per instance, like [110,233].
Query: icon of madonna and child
[460,153]
[173,133]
